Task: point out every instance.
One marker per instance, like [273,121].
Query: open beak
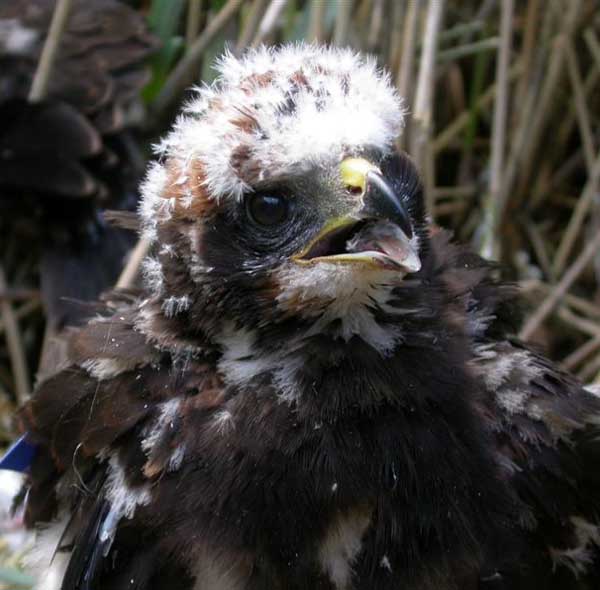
[378,235]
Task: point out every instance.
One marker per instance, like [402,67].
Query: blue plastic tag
[19,456]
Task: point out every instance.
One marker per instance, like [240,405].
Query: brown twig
[376,24]
[39,86]
[581,109]
[455,192]
[193,21]
[529,42]
[591,371]
[580,323]
[185,72]
[20,294]
[548,305]
[576,221]
[23,311]
[343,17]
[269,21]
[395,25]
[14,341]
[250,25]
[534,122]
[547,181]
[316,26]
[493,206]
[423,109]
[134,262]
[539,247]
[593,45]
[467,49]
[579,304]
[579,355]
[451,131]
[569,121]
[405,71]
[462,31]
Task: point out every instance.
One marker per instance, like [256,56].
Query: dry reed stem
[580,323]
[593,45]
[184,74]
[566,127]
[536,122]
[14,341]
[455,192]
[443,139]
[395,41]
[342,22]
[519,145]
[23,311]
[539,247]
[376,24]
[250,25]
[462,30]
[576,221]
[361,18]
[581,109]
[579,304]
[193,21]
[591,371]
[423,107]
[39,86]
[405,72]
[316,27]
[529,44]
[20,294]
[559,291]
[134,262]
[268,21]
[454,53]
[544,183]
[579,355]
[493,211]
[583,306]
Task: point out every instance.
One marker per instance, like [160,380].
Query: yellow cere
[354,171]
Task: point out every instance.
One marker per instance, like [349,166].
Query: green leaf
[165,17]
[164,20]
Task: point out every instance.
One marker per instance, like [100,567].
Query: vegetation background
[504,100]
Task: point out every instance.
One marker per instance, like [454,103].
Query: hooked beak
[378,235]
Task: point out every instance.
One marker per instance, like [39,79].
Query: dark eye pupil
[267,209]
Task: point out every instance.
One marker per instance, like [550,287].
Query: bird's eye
[267,209]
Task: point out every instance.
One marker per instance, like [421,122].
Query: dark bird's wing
[109,429]
[546,428]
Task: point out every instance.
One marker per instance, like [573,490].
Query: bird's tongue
[388,239]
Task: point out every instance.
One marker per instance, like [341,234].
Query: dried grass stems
[505,124]
[14,344]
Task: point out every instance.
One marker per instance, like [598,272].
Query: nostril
[354,190]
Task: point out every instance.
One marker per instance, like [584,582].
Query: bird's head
[280,197]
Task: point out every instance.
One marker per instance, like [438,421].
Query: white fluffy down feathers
[343,102]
